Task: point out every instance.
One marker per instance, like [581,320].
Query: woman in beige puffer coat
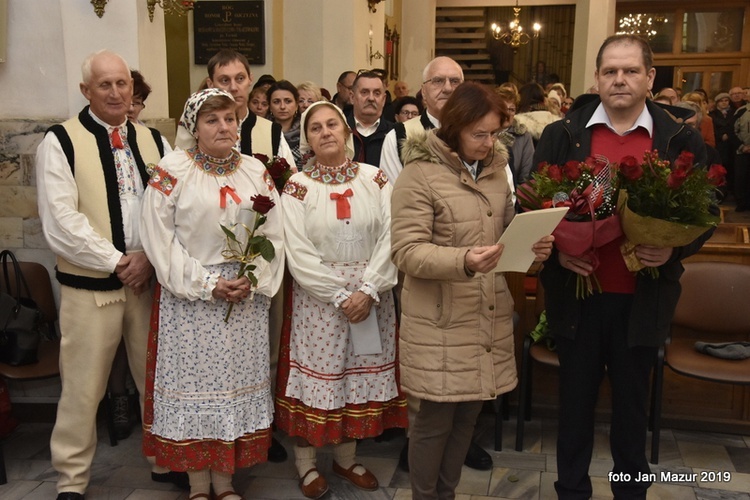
[450,206]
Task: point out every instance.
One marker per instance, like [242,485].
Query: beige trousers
[90,336]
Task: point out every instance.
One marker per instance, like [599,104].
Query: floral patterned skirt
[208,401]
[324,392]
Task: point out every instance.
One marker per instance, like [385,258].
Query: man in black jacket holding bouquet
[618,331]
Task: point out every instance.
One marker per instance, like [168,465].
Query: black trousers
[600,348]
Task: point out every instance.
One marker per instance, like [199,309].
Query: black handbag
[20,319]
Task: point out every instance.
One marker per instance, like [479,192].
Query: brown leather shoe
[317,488]
[366,481]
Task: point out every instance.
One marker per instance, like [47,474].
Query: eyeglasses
[305,101]
[137,104]
[483,136]
[511,110]
[408,114]
[372,73]
[439,81]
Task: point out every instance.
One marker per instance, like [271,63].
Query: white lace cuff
[340,297]
[370,290]
[209,283]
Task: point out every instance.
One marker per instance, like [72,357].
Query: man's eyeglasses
[483,136]
[137,104]
[372,73]
[408,114]
[439,81]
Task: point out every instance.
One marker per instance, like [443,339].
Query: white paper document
[524,230]
[365,335]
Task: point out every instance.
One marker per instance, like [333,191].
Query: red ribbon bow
[343,209]
[223,196]
[116,139]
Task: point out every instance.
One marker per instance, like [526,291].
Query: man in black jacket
[618,331]
[365,118]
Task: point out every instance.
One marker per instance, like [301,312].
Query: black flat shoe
[69,495]
[277,452]
[179,479]
[477,458]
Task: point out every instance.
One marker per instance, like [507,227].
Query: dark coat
[367,149]
[654,300]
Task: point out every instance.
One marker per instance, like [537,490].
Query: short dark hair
[140,87]
[468,103]
[224,57]
[282,85]
[647,54]
[367,73]
[403,101]
[343,76]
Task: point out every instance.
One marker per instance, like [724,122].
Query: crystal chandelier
[514,36]
[645,25]
[178,7]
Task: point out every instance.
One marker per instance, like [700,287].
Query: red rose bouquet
[663,204]
[245,252]
[278,168]
[588,189]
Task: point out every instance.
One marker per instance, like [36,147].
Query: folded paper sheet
[524,230]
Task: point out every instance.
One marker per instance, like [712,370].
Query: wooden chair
[531,353]
[713,304]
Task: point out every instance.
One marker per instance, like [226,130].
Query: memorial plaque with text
[236,25]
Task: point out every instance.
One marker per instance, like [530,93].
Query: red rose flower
[684,162]
[572,170]
[262,204]
[555,173]
[278,168]
[717,175]
[676,178]
[631,168]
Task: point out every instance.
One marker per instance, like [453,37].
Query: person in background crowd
[516,138]
[210,407]
[737,98]
[283,108]
[723,118]
[706,123]
[365,118]
[401,89]
[616,332]
[566,105]
[264,82]
[259,102]
[90,222]
[667,93]
[742,158]
[406,108]
[454,177]
[332,390]
[533,110]
[343,96]
[308,94]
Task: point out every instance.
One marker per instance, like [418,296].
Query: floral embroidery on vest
[295,189]
[380,179]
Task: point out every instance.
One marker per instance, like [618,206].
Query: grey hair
[430,64]
[86,66]
[311,87]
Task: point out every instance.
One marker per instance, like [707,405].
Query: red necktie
[116,139]
[343,209]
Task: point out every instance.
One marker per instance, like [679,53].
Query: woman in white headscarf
[209,407]
[331,389]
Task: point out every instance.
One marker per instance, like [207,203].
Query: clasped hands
[648,255]
[135,271]
[484,259]
[234,291]
[357,307]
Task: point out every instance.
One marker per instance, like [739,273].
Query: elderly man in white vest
[91,173]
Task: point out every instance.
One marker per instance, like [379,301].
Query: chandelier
[645,25]
[179,7]
[514,36]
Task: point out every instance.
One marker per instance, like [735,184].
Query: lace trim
[341,297]
[370,290]
[218,167]
[332,175]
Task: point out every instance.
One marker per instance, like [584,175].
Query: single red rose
[262,204]
[278,168]
[684,162]
[555,173]
[572,170]
[676,178]
[547,204]
[631,169]
[717,175]
[262,158]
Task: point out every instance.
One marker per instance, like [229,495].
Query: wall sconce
[179,7]
[376,55]
[99,7]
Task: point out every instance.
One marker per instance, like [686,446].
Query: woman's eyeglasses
[408,114]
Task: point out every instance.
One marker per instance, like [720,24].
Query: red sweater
[613,275]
